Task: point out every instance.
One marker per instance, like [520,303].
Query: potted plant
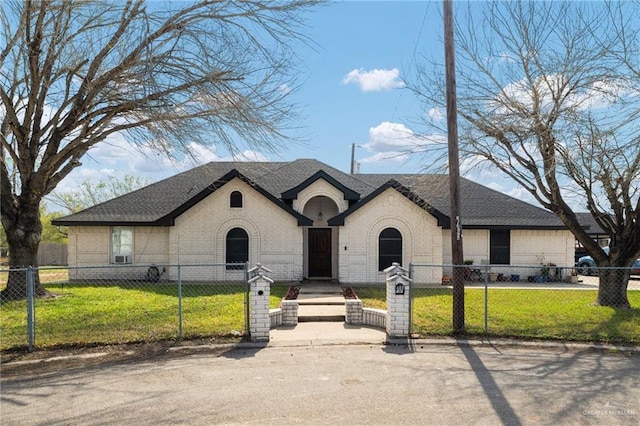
[573,277]
[543,275]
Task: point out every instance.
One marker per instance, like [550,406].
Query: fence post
[260,292]
[411,299]
[247,310]
[486,299]
[398,284]
[31,320]
[179,303]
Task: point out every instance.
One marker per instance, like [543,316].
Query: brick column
[260,290]
[398,286]
[353,314]
[289,312]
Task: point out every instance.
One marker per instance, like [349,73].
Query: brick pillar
[289,312]
[398,286]
[353,314]
[260,289]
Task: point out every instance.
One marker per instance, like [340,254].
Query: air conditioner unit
[121,258]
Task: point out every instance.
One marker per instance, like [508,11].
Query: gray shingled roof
[587,221]
[160,203]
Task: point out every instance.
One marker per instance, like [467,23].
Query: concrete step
[320,289]
[318,313]
[320,299]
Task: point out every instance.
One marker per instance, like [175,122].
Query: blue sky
[351,93]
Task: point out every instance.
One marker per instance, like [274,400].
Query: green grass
[538,314]
[108,314]
[83,314]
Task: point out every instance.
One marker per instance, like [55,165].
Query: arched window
[235,200]
[237,247]
[389,248]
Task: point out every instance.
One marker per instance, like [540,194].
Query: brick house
[305,219]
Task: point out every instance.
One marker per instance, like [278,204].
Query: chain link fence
[545,301]
[123,304]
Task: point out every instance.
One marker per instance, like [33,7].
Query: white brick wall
[275,239]
[421,238]
[91,246]
[321,188]
[555,246]
[526,247]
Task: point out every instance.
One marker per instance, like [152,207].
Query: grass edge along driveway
[84,314]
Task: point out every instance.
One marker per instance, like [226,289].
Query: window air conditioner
[122,259]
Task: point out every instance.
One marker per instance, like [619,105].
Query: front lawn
[84,314]
[539,314]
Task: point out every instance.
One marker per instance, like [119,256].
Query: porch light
[320,217]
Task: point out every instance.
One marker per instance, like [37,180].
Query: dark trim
[58,222]
[516,227]
[443,220]
[292,193]
[170,218]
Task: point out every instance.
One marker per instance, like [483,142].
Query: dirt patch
[292,292]
[24,364]
[349,293]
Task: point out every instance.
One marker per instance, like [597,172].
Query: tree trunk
[23,236]
[612,290]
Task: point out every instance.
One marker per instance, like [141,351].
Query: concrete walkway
[321,301]
[321,320]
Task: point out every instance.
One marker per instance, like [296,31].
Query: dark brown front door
[320,252]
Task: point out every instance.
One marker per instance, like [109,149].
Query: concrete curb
[441,341]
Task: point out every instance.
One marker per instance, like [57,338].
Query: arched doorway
[321,256]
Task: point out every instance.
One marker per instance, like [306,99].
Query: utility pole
[454,170]
[353,157]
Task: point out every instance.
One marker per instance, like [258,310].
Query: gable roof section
[349,194]
[480,208]
[159,204]
[443,220]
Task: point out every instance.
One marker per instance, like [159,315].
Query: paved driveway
[585,283]
[344,384]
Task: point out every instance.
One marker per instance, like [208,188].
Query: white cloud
[115,157]
[202,155]
[599,95]
[374,80]
[436,114]
[395,142]
[285,88]
[387,156]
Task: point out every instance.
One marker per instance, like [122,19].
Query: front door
[320,252]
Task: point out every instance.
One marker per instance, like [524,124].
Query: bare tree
[91,193]
[548,94]
[72,74]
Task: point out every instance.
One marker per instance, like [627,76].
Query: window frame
[500,246]
[387,256]
[236,200]
[118,248]
[232,253]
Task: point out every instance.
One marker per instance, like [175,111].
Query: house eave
[442,219]
[349,194]
[169,219]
